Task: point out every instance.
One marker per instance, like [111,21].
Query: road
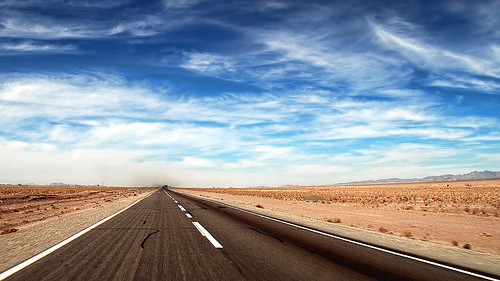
[170,236]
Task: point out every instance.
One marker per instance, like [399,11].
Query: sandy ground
[22,205]
[448,224]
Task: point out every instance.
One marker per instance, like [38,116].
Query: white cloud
[456,81]
[283,53]
[33,47]
[209,64]
[193,163]
[27,28]
[48,28]
[68,3]
[361,72]
[116,127]
[314,170]
[496,52]
[180,3]
[56,96]
[430,56]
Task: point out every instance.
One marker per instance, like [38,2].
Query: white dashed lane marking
[198,226]
[207,234]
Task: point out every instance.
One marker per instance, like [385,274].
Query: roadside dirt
[461,214]
[23,205]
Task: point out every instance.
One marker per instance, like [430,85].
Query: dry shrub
[383,230]
[454,243]
[480,197]
[486,234]
[406,233]
[9,230]
[259,206]
[467,246]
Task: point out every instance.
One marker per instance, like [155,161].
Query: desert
[463,214]
[22,205]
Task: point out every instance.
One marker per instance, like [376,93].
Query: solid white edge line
[356,242]
[24,264]
[207,235]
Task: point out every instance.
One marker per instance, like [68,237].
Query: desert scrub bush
[9,230]
[383,230]
[406,233]
[259,206]
[454,243]
[417,195]
[335,220]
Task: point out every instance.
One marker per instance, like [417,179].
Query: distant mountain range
[476,175]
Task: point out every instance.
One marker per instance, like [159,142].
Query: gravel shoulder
[483,262]
[36,237]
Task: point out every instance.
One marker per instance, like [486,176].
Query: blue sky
[247,93]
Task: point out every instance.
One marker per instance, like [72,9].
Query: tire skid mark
[149,235]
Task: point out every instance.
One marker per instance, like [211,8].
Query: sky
[197,93]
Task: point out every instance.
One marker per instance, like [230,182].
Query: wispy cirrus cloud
[209,64]
[429,56]
[51,29]
[29,46]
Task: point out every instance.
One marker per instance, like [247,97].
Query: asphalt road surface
[170,236]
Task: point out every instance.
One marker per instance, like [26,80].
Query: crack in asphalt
[201,206]
[277,238]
